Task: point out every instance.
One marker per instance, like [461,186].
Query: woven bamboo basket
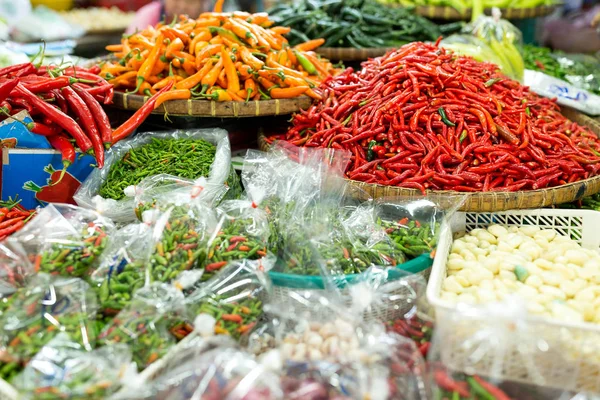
[495,201]
[220,109]
[350,54]
[450,13]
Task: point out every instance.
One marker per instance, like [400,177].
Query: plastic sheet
[150,325]
[221,171]
[63,369]
[122,268]
[231,303]
[213,373]
[64,240]
[46,307]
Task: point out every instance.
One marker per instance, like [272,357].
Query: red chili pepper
[57,116]
[140,116]
[78,106]
[232,318]
[62,144]
[44,130]
[102,121]
[493,390]
[215,266]
[52,83]
[445,382]
[6,87]
[11,70]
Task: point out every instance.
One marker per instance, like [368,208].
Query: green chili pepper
[305,63]
[463,136]
[370,152]
[444,117]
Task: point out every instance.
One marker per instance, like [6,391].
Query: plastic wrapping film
[122,268]
[64,240]
[182,222]
[491,39]
[231,303]
[321,345]
[213,369]
[494,351]
[221,171]
[15,271]
[150,325]
[40,311]
[63,369]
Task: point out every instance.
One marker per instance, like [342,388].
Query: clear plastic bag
[150,325]
[122,210]
[505,39]
[223,372]
[64,240]
[182,223]
[15,271]
[479,352]
[122,268]
[63,369]
[46,307]
[231,303]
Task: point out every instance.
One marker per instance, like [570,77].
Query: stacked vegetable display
[463,5]
[423,118]
[220,57]
[357,24]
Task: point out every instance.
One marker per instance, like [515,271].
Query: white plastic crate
[575,364]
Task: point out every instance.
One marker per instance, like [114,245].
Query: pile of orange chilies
[219,56]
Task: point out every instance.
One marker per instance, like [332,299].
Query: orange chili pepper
[233,82]
[164,82]
[241,31]
[193,80]
[209,50]
[175,45]
[250,87]
[288,93]
[280,30]
[234,96]
[210,78]
[222,79]
[219,6]
[146,68]
[249,58]
[114,48]
[245,71]
[310,45]
[180,94]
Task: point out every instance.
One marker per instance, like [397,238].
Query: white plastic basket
[575,365]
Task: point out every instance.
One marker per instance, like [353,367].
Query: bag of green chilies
[150,325]
[15,271]
[122,267]
[230,303]
[65,240]
[64,370]
[182,219]
[44,308]
[188,154]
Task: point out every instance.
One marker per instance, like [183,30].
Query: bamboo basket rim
[215,109]
[494,201]
[450,13]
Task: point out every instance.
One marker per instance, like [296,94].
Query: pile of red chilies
[421,117]
[12,218]
[65,104]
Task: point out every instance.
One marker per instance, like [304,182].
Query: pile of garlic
[335,342]
[554,275]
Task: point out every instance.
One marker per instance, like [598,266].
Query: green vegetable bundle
[185,158]
[579,70]
[355,23]
[463,5]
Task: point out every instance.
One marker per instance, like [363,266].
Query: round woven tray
[449,13]
[221,109]
[495,201]
[350,54]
